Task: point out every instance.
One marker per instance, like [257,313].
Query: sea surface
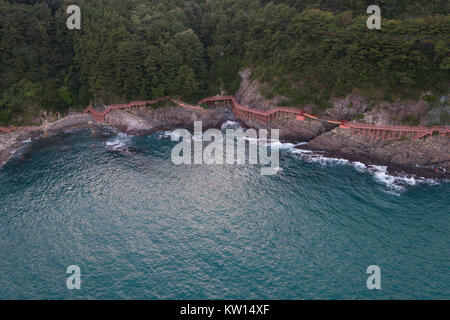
[140,227]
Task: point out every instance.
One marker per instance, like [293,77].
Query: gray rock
[129,123]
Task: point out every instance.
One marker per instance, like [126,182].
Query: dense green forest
[309,50]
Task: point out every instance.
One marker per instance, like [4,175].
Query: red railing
[8,130]
[369,130]
[245,112]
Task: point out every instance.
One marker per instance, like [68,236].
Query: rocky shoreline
[429,158]
[141,121]
[9,142]
[420,158]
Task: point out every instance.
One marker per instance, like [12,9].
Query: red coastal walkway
[265,117]
[369,130]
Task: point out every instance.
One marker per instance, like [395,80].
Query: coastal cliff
[427,157]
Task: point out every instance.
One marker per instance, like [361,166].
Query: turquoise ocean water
[139,226]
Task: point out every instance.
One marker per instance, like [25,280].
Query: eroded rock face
[70,122]
[396,113]
[353,106]
[410,154]
[249,93]
[129,123]
[292,129]
[417,156]
[346,108]
[177,117]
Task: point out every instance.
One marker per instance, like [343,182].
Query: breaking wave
[120,142]
[22,149]
[230,125]
[164,134]
[397,183]
[394,184]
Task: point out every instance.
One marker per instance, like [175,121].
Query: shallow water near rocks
[139,226]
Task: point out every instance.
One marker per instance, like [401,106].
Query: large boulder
[130,123]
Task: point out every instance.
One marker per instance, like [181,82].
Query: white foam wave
[275,143]
[230,125]
[395,184]
[176,136]
[119,142]
[23,147]
[312,156]
[361,167]
[164,134]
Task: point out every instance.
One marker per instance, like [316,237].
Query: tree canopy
[140,49]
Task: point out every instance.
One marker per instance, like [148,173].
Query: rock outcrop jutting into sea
[414,149]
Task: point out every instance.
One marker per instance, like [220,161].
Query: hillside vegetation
[306,50]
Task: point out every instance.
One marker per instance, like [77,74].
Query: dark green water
[140,227]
